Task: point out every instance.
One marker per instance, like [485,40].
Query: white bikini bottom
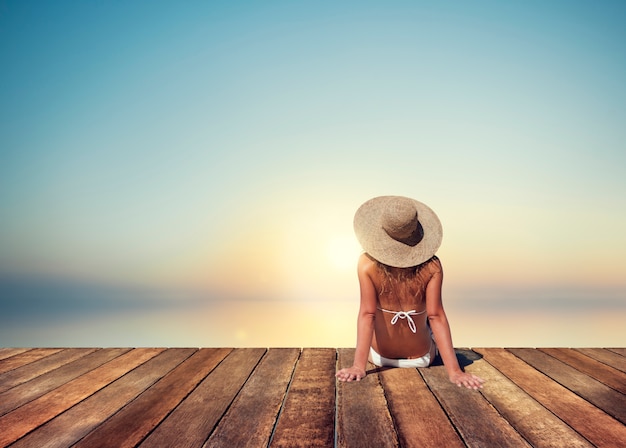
[424,361]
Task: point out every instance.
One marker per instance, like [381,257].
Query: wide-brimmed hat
[398,231]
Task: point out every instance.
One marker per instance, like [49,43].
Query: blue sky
[218,150]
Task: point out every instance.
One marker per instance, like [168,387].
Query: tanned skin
[374,328]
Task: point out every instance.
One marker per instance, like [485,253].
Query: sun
[342,251]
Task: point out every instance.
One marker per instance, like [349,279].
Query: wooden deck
[220,397]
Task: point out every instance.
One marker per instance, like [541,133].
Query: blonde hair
[406,285]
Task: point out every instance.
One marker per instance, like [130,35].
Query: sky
[186,173]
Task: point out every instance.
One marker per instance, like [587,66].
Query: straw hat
[398,231]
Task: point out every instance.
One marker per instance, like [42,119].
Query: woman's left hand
[467,379]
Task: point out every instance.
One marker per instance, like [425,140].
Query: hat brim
[377,243]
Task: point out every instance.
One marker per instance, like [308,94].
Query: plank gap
[282,404]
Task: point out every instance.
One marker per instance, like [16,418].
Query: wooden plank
[7,352]
[132,424]
[608,357]
[605,398]
[252,416]
[608,375]
[418,416]
[25,392]
[475,419]
[620,351]
[589,421]
[308,415]
[188,404]
[534,422]
[44,365]
[35,413]
[190,424]
[25,358]
[363,418]
[70,426]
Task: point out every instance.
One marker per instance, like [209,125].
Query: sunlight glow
[342,251]
[206,162]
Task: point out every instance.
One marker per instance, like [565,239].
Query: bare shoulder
[435,266]
[434,269]
[366,264]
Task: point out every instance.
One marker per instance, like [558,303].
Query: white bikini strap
[404,315]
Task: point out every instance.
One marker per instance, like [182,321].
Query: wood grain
[8,352]
[70,426]
[308,415]
[479,424]
[251,418]
[37,368]
[420,421]
[26,357]
[608,375]
[620,351]
[602,396]
[24,419]
[363,418]
[191,423]
[28,391]
[608,357]
[589,421]
[533,421]
[188,397]
[130,426]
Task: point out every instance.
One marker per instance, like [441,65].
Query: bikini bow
[405,315]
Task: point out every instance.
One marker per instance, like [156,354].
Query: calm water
[305,324]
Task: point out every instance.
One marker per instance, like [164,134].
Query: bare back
[401,289]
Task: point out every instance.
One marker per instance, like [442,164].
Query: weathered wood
[286,397]
[607,399]
[363,418]
[131,425]
[24,419]
[608,375]
[70,426]
[28,391]
[620,351]
[8,352]
[472,415]
[26,357]
[37,368]
[589,421]
[420,421]
[608,357]
[534,422]
[307,418]
[190,424]
[252,416]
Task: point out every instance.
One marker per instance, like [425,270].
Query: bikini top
[404,315]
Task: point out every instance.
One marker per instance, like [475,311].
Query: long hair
[404,286]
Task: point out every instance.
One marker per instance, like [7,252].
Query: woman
[401,313]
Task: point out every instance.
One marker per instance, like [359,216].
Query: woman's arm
[365,323]
[441,331]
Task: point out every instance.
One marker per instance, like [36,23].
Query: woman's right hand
[351,374]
